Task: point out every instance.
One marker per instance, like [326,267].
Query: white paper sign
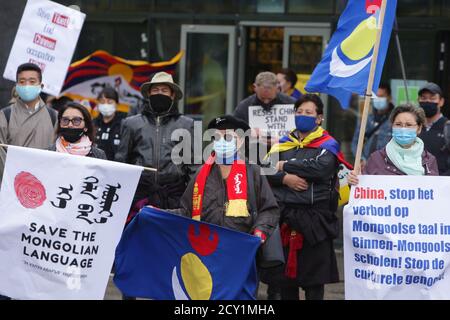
[47,36]
[397,238]
[279,120]
[61,217]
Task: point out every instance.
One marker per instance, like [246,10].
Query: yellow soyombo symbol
[356,47]
[361,41]
[196,277]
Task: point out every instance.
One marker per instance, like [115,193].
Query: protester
[27,122]
[286,83]
[431,100]
[305,187]
[146,141]
[405,153]
[266,95]
[108,123]
[76,132]
[378,129]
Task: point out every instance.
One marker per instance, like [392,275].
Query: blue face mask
[404,136]
[28,93]
[226,151]
[379,103]
[305,123]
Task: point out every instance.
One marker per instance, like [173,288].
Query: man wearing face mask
[28,122]
[266,95]
[378,130]
[431,100]
[107,124]
[146,141]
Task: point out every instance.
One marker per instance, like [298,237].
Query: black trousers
[311,293]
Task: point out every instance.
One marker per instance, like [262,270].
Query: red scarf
[236,189]
[294,240]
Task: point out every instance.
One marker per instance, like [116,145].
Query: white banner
[47,36]
[279,120]
[397,238]
[61,217]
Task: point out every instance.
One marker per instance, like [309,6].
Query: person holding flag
[305,187]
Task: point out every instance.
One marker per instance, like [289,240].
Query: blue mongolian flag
[164,256]
[345,65]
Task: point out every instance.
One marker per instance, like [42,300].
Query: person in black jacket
[107,136]
[431,100]
[75,132]
[305,187]
[146,141]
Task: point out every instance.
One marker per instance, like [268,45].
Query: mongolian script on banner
[61,217]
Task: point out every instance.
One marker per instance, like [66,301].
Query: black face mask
[71,134]
[430,108]
[266,106]
[160,103]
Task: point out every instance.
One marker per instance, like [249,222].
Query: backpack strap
[53,114]
[7,112]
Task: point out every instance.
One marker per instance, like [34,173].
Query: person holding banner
[405,153]
[76,132]
[305,187]
[266,96]
[228,192]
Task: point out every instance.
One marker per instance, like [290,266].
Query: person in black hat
[227,191]
[431,100]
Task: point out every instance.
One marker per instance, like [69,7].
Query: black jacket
[241,110]
[261,203]
[319,168]
[434,142]
[107,136]
[146,141]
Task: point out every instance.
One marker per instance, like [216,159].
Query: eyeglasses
[404,125]
[75,121]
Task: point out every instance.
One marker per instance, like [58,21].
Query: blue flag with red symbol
[345,65]
[163,256]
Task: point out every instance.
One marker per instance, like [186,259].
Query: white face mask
[107,109]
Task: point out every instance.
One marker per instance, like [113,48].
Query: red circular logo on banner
[29,190]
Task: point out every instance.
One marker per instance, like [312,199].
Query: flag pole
[145,168]
[362,129]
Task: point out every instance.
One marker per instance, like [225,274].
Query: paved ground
[332,291]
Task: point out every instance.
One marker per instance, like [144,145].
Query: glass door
[207,70]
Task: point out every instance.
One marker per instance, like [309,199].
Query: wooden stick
[362,129]
[145,168]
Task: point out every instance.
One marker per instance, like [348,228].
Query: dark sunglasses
[75,121]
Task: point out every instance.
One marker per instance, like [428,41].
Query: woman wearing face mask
[75,132]
[405,153]
[228,192]
[108,123]
[305,187]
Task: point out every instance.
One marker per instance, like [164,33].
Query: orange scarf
[80,148]
[236,189]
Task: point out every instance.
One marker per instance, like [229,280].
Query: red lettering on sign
[60,20]
[44,41]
